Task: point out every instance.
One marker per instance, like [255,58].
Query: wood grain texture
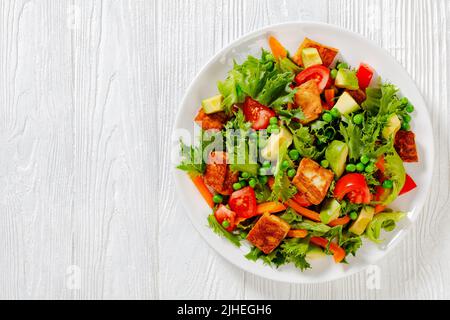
[88,94]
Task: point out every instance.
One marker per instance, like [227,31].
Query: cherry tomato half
[224,214]
[258,114]
[243,202]
[354,186]
[320,74]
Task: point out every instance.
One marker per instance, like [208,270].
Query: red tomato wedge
[338,252]
[224,214]
[243,202]
[364,75]
[354,186]
[258,114]
[319,73]
[408,186]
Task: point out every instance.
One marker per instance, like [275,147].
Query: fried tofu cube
[307,98]
[268,232]
[405,145]
[218,174]
[313,180]
[213,121]
[327,54]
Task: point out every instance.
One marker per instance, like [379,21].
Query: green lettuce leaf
[384,220]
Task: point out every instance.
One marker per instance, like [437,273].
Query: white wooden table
[88,94]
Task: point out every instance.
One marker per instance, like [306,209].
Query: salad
[301,155]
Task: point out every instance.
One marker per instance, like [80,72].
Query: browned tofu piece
[268,232]
[405,145]
[359,95]
[213,121]
[218,174]
[327,54]
[313,180]
[307,98]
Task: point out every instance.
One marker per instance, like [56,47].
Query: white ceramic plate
[353,49]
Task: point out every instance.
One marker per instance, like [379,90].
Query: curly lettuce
[386,221]
[261,79]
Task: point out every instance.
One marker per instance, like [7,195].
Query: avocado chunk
[330,211]
[391,127]
[213,104]
[310,57]
[272,148]
[287,65]
[336,154]
[346,79]
[365,216]
[346,104]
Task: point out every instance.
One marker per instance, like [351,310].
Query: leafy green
[254,254]
[191,159]
[276,89]
[287,65]
[316,229]
[282,187]
[386,221]
[395,171]
[295,251]
[260,79]
[291,217]
[351,244]
[217,228]
[275,258]
[353,138]
[304,143]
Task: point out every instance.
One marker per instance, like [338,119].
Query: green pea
[217,198]
[225,224]
[388,184]
[365,159]
[360,167]
[353,215]
[245,175]
[369,168]
[335,113]
[237,186]
[327,117]
[358,118]
[350,167]
[273,128]
[294,154]
[324,163]
[404,100]
[273,120]
[409,108]
[243,183]
[263,179]
[342,65]
[291,173]
[405,126]
[333,73]
[252,183]
[407,118]
[266,164]
[285,164]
